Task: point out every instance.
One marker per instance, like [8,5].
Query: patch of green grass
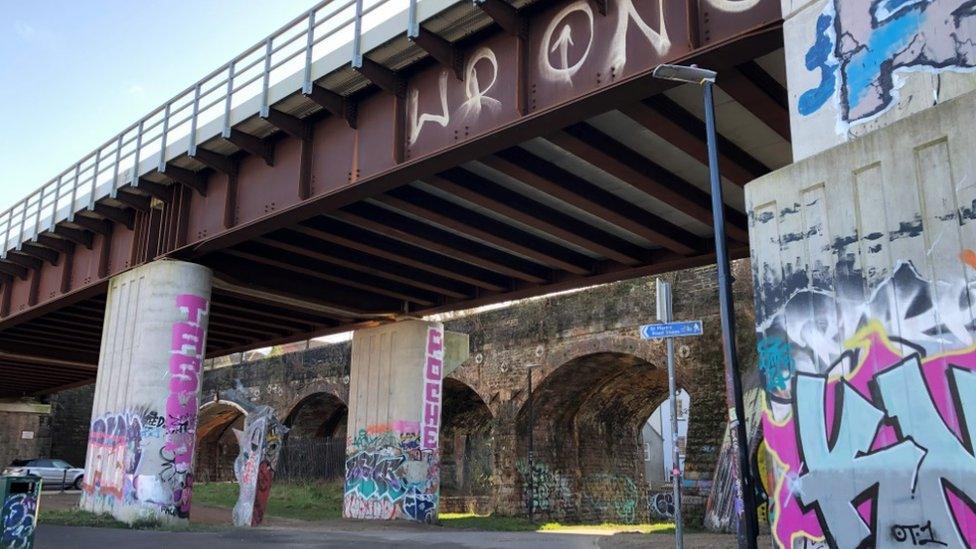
[471,521]
[77,517]
[305,501]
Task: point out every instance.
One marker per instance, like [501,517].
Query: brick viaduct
[595,383]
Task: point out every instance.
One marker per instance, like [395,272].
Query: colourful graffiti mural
[870,442]
[860,48]
[260,446]
[19,513]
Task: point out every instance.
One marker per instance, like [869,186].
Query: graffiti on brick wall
[661,505]
[870,442]
[254,468]
[19,514]
[610,496]
[546,490]
[144,455]
[860,48]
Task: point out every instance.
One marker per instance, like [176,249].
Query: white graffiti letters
[417,121]
[565,70]
[476,96]
[658,38]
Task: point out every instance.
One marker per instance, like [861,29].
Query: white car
[53,472]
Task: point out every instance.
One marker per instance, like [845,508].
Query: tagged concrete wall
[858,65]
[139,462]
[392,455]
[864,269]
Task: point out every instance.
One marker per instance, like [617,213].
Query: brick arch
[466,441]
[217,446]
[320,412]
[590,399]
[338,390]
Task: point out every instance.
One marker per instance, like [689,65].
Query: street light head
[684,73]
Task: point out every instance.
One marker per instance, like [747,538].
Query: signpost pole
[664,315]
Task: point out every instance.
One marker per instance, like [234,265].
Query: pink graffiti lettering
[186,359]
[431,415]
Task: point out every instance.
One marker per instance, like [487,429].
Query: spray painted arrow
[563,43]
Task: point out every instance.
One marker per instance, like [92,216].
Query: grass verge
[77,517]
[471,521]
[311,501]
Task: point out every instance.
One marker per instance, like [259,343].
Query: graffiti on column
[861,48]
[870,384]
[393,470]
[19,514]
[145,455]
[260,446]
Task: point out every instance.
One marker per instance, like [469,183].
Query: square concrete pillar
[140,456]
[392,454]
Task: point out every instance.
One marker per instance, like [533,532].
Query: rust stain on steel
[261,189]
[442,110]
[723,19]
[206,213]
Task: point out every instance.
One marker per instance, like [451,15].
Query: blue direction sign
[671,329]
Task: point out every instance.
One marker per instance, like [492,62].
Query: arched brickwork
[217,445]
[467,428]
[318,414]
[587,413]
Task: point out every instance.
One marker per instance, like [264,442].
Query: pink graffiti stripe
[433,372]
[186,359]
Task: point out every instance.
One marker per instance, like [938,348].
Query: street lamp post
[747,521]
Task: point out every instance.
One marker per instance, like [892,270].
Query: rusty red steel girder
[534,73]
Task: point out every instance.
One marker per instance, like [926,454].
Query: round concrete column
[144,415]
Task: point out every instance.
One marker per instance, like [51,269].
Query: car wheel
[77,484]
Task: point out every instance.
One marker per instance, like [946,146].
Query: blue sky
[74,73]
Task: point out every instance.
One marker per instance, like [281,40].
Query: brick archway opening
[217,446]
[314,447]
[466,443]
[587,418]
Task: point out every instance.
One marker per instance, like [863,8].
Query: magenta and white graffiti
[871,410]
[185,365]
[433,374]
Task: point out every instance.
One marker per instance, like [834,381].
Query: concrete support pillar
[392,455]
[140,456]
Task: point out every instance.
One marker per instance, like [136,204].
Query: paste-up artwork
[868,366]
[861,48]
[393,470]
[18,517]
[260,446]
[143,456]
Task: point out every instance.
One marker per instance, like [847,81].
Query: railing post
[115,174]
[192,149]
[94,186]
[23,223]
[413,27]
[37,214]
[225,132]
[135,155]
[162,139]
[357,54]
[74,194]
[267,78]
[307,81]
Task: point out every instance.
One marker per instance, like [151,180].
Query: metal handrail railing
[116,162]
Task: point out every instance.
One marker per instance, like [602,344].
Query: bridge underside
[605,185]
